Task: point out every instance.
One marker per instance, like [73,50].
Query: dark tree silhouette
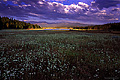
[10,23]
[109,26]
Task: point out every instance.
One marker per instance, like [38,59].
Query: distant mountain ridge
[62,24]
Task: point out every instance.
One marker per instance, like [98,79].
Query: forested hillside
[10,23]
[109,26]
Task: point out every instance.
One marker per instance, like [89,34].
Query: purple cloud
[106,3]
[40,10]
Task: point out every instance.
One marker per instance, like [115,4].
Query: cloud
[106,3]
[35,14]
[83,4]
[58,0]
[67,9]
[38,10]
[4,0]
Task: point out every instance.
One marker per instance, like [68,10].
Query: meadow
[59,55]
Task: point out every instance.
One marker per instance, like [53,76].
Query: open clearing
[59,55]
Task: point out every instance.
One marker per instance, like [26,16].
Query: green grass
[58,55]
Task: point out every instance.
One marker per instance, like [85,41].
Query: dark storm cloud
[11,10]
[106,3]
[21,9]
[115,10]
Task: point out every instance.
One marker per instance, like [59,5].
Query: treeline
[109,26]
[10,23]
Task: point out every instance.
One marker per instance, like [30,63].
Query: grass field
[59,55]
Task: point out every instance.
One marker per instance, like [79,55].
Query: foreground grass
[59,55]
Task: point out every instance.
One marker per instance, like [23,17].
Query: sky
[62,11]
